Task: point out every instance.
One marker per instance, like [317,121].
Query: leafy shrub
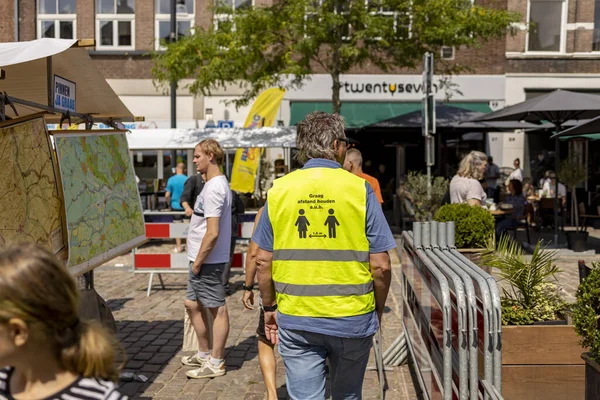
[416,185]
[547,305]
[586,312]
[530,297]
[474,225]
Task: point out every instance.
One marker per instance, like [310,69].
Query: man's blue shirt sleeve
[263,233]
[378,231]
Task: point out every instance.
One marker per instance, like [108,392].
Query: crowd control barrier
[451,317]
[177,263]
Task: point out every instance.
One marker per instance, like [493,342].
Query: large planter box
[542,362]
[592,378]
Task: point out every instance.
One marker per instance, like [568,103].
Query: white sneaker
[194,360]
[208,370]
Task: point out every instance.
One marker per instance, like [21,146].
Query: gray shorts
[207,287]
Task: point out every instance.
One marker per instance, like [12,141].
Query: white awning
[229,138]
[26,67]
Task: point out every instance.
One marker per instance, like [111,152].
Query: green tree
[282,44]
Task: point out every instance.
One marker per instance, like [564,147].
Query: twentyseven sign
[64,94]
[385,87]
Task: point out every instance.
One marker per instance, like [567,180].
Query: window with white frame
[184,19]
[546,26]
[115,24]
[224,20]
[399,20]
[342,8]
[57,19]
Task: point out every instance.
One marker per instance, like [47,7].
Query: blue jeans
[304,355]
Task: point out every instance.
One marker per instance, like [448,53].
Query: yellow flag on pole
[246,162]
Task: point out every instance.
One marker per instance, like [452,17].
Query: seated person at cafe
[517,200]
[549,188]
[465,186]
[529,192]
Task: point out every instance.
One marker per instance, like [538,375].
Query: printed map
[30,204]
[104,215]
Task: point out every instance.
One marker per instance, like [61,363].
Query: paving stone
[169,349]
[134,364]
[150,368]
[130,388]
[160,358]
[143,356]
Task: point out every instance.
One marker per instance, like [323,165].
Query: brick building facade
[127,67]
[559,52]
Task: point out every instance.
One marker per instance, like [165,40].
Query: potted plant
[540,350]
[474,226]
[571,174]
[586,317]
[528,297]
[416,187]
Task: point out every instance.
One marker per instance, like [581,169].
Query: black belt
[197,214]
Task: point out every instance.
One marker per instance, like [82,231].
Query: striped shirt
[81,389]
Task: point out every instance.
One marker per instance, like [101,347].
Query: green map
[30,203]
[104,215]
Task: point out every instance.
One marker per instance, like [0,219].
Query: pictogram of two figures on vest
[302,223]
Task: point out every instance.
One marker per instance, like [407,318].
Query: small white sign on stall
[64,94]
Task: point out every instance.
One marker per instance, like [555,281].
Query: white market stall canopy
[229,138]
[30,69]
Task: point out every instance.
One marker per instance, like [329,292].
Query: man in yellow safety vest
[323,265]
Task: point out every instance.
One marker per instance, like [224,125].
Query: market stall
[78,171]
[155,152]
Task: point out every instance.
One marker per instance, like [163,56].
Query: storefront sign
[64,94]
[400,88]
[383,87]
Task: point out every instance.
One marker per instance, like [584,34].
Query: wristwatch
[248,288]
[270,308]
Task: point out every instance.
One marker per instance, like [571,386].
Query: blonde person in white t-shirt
[465,186]
[208,244]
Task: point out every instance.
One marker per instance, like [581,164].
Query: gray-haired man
[328,284]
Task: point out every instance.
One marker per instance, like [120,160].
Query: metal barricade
[451,317]
[426,318]
[177,263]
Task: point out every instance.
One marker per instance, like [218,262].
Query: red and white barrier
[165,263]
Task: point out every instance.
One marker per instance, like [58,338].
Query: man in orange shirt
[353,163]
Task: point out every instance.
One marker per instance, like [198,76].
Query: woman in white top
[465,186]
[517,172]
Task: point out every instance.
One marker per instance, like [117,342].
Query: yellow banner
[246,162]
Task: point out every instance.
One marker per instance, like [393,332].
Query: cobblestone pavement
[151,331]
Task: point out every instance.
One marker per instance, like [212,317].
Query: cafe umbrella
[556,107]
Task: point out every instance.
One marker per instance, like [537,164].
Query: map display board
[30,202]
[102,203]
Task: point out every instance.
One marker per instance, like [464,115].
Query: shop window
[184,20]
[115,24]
[596,39]
[57,19]
[546,26]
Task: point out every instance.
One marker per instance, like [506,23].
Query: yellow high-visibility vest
[320,249]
